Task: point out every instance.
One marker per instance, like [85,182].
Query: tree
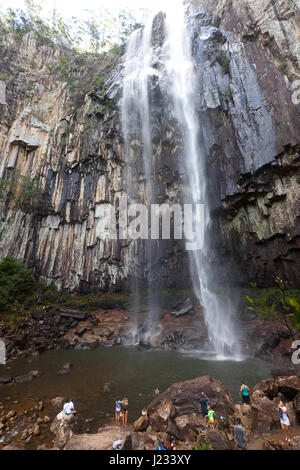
[16,282]
[286,310]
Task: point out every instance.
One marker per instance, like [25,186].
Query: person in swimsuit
[284,420]
[125,411]
[118,411]
[244,392]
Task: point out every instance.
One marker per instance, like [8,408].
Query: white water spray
[178,79]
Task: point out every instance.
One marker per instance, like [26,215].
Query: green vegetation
[26,193]
[224,62]
[98,32]
[4,76]
[16,282]
[279,305]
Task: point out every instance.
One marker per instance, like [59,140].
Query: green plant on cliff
[16,282]
[285,309]
[25,192]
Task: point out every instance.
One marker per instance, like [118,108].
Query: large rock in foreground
[176,411]
[185,397]
[103,440]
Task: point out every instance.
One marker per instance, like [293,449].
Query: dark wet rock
[5,380]
[65,369]
[284,373]
[140,441]
[58,402]
[76,314]
[80,332]
[289,387]
[22,379]
[184,309]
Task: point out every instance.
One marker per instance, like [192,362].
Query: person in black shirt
[204,404]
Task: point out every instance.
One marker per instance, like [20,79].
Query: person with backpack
[244,392]
[284,420]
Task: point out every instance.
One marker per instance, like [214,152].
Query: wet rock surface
[247,61]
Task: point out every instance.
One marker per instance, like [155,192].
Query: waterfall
[177,78]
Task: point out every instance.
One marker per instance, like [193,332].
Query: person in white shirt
[68,408]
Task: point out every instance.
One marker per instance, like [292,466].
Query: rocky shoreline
[174,412]
[57,328]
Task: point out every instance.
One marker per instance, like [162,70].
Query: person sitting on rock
[244,392]
[284,420]
[240,435]
[156,392]
[204,404]
[68,408]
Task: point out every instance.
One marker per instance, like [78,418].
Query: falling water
[136,127]
[178,79]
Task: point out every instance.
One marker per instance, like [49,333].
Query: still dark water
[129,372]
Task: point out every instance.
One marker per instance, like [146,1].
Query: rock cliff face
[247,59]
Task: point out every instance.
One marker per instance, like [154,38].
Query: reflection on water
[129,372]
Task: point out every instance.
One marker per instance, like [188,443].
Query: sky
[75,7]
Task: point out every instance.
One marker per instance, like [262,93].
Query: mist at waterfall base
[172,67]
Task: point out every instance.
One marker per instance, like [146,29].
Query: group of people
[239,430]
[121,413]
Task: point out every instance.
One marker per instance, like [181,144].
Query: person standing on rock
[124,412]
[204,404]
[240,435]
[210,417]
[118,411]
[244,392]
[284,420]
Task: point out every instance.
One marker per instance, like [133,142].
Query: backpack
[245,392]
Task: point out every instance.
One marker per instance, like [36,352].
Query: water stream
[176,77]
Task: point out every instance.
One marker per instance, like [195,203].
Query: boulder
[295,443]
[5,380]
[141,424]
[265,412]
[184,396]
[63,427]
[65,369]
[141,441]
[288,387]
[58,402]
[22,379]
[103,440]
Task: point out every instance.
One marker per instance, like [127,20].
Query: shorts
[246,399]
